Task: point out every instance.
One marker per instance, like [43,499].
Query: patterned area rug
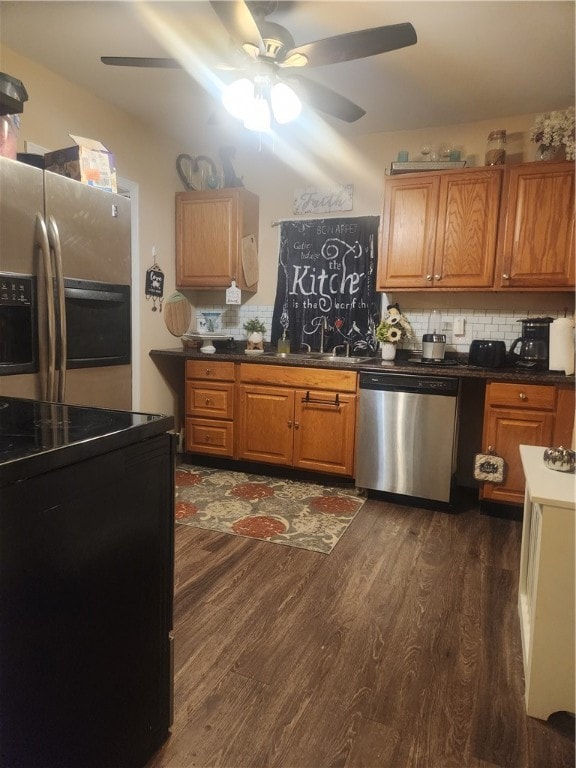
[287,512]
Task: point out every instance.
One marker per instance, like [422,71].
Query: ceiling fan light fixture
[286,105]
[257,115]
[237,96]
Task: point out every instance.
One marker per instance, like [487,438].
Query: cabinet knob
[490,449]
[522,396]
[207,438]
[505,276]
[437,277]
[428,277]
[207,401]
[296,424]
[289,424]
[208,372]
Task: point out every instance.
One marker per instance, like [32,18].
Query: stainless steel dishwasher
[407,433]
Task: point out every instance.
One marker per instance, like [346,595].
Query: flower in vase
[393,326]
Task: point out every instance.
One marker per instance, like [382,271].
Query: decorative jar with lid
[496,148]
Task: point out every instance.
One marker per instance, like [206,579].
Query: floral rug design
[290,512]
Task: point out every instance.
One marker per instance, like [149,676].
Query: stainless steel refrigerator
[67,246]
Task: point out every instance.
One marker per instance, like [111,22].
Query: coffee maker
[532,349]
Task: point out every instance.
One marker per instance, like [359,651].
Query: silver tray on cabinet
[425,165]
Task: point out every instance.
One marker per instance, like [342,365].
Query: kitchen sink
[327,356]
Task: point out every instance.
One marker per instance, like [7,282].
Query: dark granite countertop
[458,365]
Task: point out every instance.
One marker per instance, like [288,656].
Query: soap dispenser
[284,344]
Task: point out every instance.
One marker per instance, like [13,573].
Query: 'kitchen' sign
[326,293]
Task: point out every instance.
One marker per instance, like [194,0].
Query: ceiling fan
[267,54]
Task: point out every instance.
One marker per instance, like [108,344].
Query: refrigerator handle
[47,356]
[54,239]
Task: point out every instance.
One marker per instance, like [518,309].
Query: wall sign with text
[323,199]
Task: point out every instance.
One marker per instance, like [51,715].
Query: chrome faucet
[308,347]
[345,347]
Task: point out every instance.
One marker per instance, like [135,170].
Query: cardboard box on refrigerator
[87,161]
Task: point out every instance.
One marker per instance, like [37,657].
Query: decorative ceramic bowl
[561,459]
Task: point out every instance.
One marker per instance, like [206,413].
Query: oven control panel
[16,290]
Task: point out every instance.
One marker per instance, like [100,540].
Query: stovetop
[31,429]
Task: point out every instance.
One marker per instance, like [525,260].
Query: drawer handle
[208,401]
[522,396]
[309,399]
[505,276]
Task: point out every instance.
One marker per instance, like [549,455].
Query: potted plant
[255,331]
[393,327]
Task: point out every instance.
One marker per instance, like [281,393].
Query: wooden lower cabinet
[210,408]
[311,428]
[522,414]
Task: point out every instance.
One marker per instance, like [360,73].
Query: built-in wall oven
[97,323]
[407,434]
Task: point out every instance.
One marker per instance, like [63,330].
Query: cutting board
[177,314]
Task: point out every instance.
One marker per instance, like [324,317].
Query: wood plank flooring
[400,649]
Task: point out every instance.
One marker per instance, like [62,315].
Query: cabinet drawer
[200,369]
[213,400]
[532,396]
[310,378]
[210,437]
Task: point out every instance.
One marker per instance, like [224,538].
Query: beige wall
[57,107]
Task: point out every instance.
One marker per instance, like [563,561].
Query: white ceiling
[473,60]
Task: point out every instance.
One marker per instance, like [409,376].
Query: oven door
[98,331]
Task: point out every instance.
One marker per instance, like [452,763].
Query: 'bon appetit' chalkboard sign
[327,269]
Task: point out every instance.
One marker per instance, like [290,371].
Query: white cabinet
[546,594]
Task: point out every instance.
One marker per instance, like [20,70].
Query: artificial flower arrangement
[393,326]
[555,129]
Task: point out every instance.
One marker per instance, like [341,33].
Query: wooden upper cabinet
[467,229]
[439,230]
[536,244]
[408,229]
[210,248]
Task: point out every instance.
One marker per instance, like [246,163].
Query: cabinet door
[536,248]
[324,426]
[408,228]
[505,429]
[206,240]
[266,424]
[467,228]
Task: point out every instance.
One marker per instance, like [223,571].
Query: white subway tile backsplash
[479,323]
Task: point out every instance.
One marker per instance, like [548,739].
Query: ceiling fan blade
[355,45]
[324,99]
[140,61]
[240,24]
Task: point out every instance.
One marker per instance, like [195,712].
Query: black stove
[36,436]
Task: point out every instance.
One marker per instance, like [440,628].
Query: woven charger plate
[177,314]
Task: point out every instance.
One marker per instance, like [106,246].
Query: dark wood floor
[400,649]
